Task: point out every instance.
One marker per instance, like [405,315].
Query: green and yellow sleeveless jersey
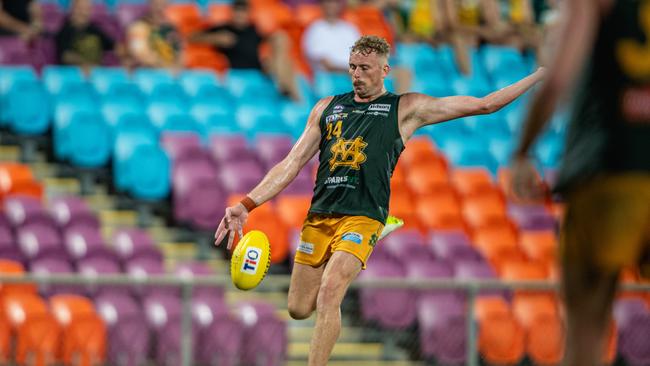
[359,147]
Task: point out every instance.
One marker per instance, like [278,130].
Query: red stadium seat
[539,245]
[17,179]
[498,243]
[440,212]
[271,17]
[402,205]
[427,177]
[483,209]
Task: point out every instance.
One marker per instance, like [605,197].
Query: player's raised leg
[340,271]
[303,291]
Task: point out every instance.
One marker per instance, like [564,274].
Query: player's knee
[299,310]
[328,296]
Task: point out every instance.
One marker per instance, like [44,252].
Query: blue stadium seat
[80,92]
[328,83]
[251,84]
[114,111]
[468,151]
[431,82]
[90,140]
[166,92]
[148,79]
[306,91]
[127,138]
[501,149]
[182,122]
[549,150]
[153,178]
[266,125]
[416,57]
[214,118]
[126,92]
[295,116]
[474,85]
[64,113]
[216,94]
[248,113]
[159,112]
[8,76]
[498,60]
[28,107]
[103,78]
[193,81]
[56,77]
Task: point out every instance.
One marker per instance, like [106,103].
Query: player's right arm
[278,177]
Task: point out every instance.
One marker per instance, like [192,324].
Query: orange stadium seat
[471,180]
[440,212]
[402,205]
[204,57]
[424,178]
[501,337]
[37,334]
[275,230]
[504,177]
[271,17]
[18,179]
[293,209]
[539,245]
[186,17]
[370,21]
[219,13]
[483,209]
[307,13]
[399,175]
[498,243]
[418,148]
[84,332]
[8,267]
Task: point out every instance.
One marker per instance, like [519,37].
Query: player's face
[368,73]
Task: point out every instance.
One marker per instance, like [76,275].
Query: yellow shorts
[607,223]
[322,235]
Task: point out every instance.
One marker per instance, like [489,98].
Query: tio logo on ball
[251,260]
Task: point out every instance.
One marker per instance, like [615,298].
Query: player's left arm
[417,110]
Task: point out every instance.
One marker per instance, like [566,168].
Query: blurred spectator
[240,42]
[81,42]
[20,17]
[327,42]
[152,41]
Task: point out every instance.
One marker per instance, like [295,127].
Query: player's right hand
[526,185]
[231,224]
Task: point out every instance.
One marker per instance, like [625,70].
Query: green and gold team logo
[373,240]
[348,153]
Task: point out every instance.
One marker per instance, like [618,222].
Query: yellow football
[251,260]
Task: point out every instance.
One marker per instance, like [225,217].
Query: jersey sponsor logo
[307,248]
[335,117]
[251,260]
[358,111]
[348,153]
[353,237]
[337,109]
[379,107]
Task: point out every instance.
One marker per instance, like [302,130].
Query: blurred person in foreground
[240,42]
[20,17]
[80,42]
[360,135]
[152,41]
[601,57]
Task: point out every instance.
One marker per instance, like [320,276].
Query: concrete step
[43,170]
[9,153]
[342,351]
[303,334]
[360,363]
[61,186]
[118,218]
[278,299]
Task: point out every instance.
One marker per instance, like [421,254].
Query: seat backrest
[13,268]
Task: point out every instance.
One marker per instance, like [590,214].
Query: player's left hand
[526,185]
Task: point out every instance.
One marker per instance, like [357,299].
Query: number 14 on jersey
[336,130]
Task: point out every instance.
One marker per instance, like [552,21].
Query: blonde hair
[369,44]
